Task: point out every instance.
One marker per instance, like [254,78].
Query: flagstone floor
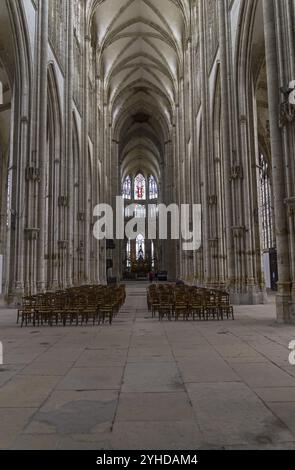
[141,384]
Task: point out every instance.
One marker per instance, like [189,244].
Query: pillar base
[14,297]
[248,298]
[250,294]
[285,308]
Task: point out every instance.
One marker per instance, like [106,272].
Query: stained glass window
[127,188]
[139,187]
[9,186]
[140,248]
[140,211]
[128,212]
[153,254]
[128,253]
[266,204]
[153,211]
[136,210]
[153,188]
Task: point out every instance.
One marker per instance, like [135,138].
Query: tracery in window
[127,191]
[78,34]
[140,211]
[140,248]
[153,188]
[57,28]
[139,187]
[266,204]
[128,254]
[78,12]
[9,193]
[136,210]
[153,254]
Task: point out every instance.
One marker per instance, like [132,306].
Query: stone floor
[141,384]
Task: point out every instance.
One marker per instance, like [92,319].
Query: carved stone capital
[62,244]
[81,247]
[237,172]
[212,200]
[32,233]
[33,173]
[81,216]
[213,242]
[63,201]
[287,114]
[238,232]
[290,202]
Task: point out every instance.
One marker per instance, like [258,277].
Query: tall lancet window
[266,204]
[140,248]
[153,188]
[127,188]
[139,188]
[153,254]
[128,253]
[9,194]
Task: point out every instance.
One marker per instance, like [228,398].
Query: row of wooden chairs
[78,306]
[188,303]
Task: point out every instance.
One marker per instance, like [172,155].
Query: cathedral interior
[166,102]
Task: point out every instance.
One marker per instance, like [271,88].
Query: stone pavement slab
[145,384]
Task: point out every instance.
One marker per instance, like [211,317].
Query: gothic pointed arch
[53,191]
[16,60]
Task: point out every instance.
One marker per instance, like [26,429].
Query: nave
[145,384]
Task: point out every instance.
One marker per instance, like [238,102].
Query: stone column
[227,148]
[69,149]
[170,260]
[116,191]
[182,163]
[96,182]
[205,145]
[85,157]
[175,199]
[41,223]
[278,167]
[285,17]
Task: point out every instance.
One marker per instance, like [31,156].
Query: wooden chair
[166,305]
[73,306]
[197,307]
[211,306]
[105,313]
[44,309]
[181,309]
[165,310]
[224,307]
[181,304]
[27,313]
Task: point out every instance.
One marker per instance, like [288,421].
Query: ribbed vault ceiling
[140,60]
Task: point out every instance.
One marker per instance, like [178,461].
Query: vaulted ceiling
[140,47]
[7,72]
